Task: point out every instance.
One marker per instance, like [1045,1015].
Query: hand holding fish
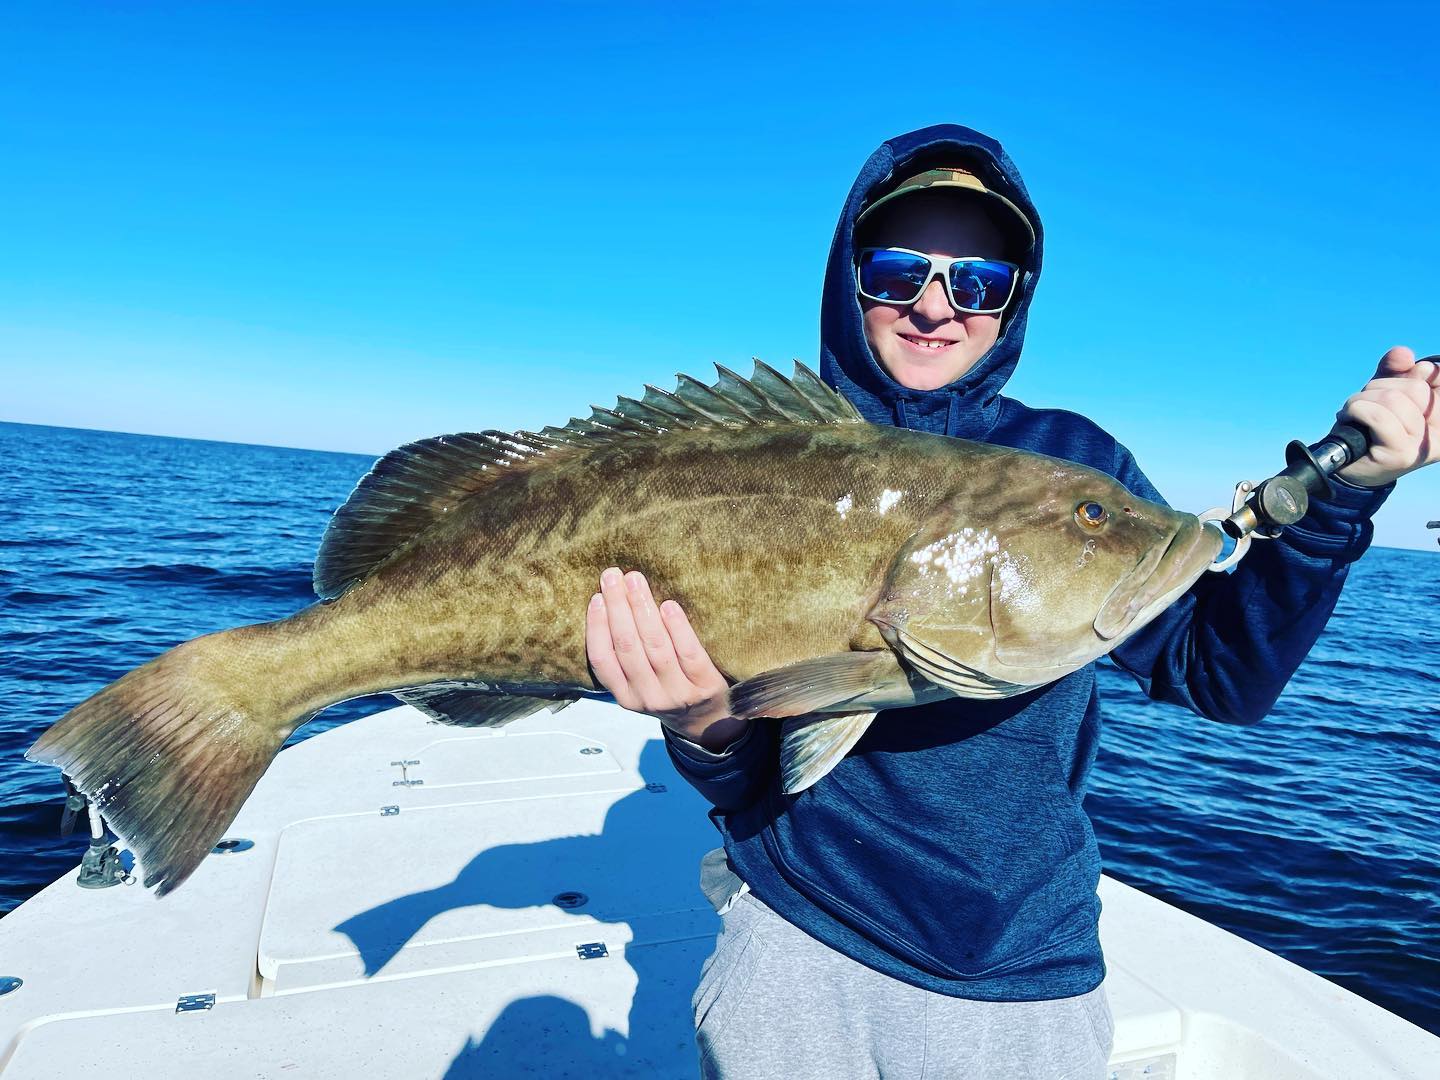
[651,660]
[1398,406]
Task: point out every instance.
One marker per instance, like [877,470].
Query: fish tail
[170,751]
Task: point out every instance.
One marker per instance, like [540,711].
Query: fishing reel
[1261,511]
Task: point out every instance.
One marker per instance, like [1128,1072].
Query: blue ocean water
[1313,834]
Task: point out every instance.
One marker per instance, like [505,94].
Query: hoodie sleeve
[731,778]
[1227,648]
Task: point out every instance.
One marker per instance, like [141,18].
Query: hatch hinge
[195,1003]
[592,950]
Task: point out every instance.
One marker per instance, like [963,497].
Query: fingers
[655,636]
[694,661]
[1409,406]
[1427,369]
[600,648]
[625,638]
[1397,361]
[1415,386]
[649,656]
[1398,407]
[1390,436]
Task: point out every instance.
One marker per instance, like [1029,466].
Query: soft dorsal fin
[411,488]
[406,492]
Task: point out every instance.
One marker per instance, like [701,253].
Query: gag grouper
[831,567]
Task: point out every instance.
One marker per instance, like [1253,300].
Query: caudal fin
[170,751]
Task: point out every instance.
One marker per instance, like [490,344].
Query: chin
[918,375]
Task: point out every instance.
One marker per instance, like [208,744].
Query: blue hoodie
[950,849]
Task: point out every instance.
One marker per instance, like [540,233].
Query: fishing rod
[1262,511]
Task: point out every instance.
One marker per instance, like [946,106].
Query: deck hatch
[470,884]
[465,761]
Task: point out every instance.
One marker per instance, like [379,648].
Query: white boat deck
[436,938]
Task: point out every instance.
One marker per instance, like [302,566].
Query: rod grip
[1354,438]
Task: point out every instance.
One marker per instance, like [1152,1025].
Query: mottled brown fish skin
[740,526]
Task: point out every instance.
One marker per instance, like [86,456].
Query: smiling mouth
[929,344]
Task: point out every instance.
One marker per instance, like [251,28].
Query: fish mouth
[1158,580]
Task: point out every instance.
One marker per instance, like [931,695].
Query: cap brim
[1025,232]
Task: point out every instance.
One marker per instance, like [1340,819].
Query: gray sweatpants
[773,1002]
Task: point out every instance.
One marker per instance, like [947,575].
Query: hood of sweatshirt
[970,406]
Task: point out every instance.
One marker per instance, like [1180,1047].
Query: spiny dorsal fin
[412,488]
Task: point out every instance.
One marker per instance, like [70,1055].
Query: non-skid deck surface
[530,907]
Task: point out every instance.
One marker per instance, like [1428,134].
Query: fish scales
[497,591]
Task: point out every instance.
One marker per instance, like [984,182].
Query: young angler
[929,906]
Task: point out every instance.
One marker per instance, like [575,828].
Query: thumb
[1396,361]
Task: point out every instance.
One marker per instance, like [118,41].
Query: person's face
[928,344]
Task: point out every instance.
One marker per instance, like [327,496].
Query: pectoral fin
[862,679]
[810,746]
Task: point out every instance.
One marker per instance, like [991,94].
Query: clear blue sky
[300,223]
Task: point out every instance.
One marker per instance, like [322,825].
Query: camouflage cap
[954,177]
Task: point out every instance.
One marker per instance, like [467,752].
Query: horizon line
[193,438]
[348,453]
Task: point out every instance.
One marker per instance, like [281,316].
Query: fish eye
[1091,515]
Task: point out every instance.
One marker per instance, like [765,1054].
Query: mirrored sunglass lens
[892,275]
[980,285]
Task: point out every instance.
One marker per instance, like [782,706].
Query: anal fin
[466,707]
[810,746]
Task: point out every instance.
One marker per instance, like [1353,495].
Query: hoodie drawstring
[952,414]
[905,418]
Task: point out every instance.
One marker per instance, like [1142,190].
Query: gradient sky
[348,225]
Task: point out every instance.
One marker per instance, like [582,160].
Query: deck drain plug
[231,844]
[570,899]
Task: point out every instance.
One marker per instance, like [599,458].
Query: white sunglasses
[974,284]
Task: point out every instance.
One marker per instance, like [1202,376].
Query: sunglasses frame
[939,266]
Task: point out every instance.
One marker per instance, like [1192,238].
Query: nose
[934,305]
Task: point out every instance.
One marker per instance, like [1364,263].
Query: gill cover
[935,609]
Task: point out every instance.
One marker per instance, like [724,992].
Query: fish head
[1016,585]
